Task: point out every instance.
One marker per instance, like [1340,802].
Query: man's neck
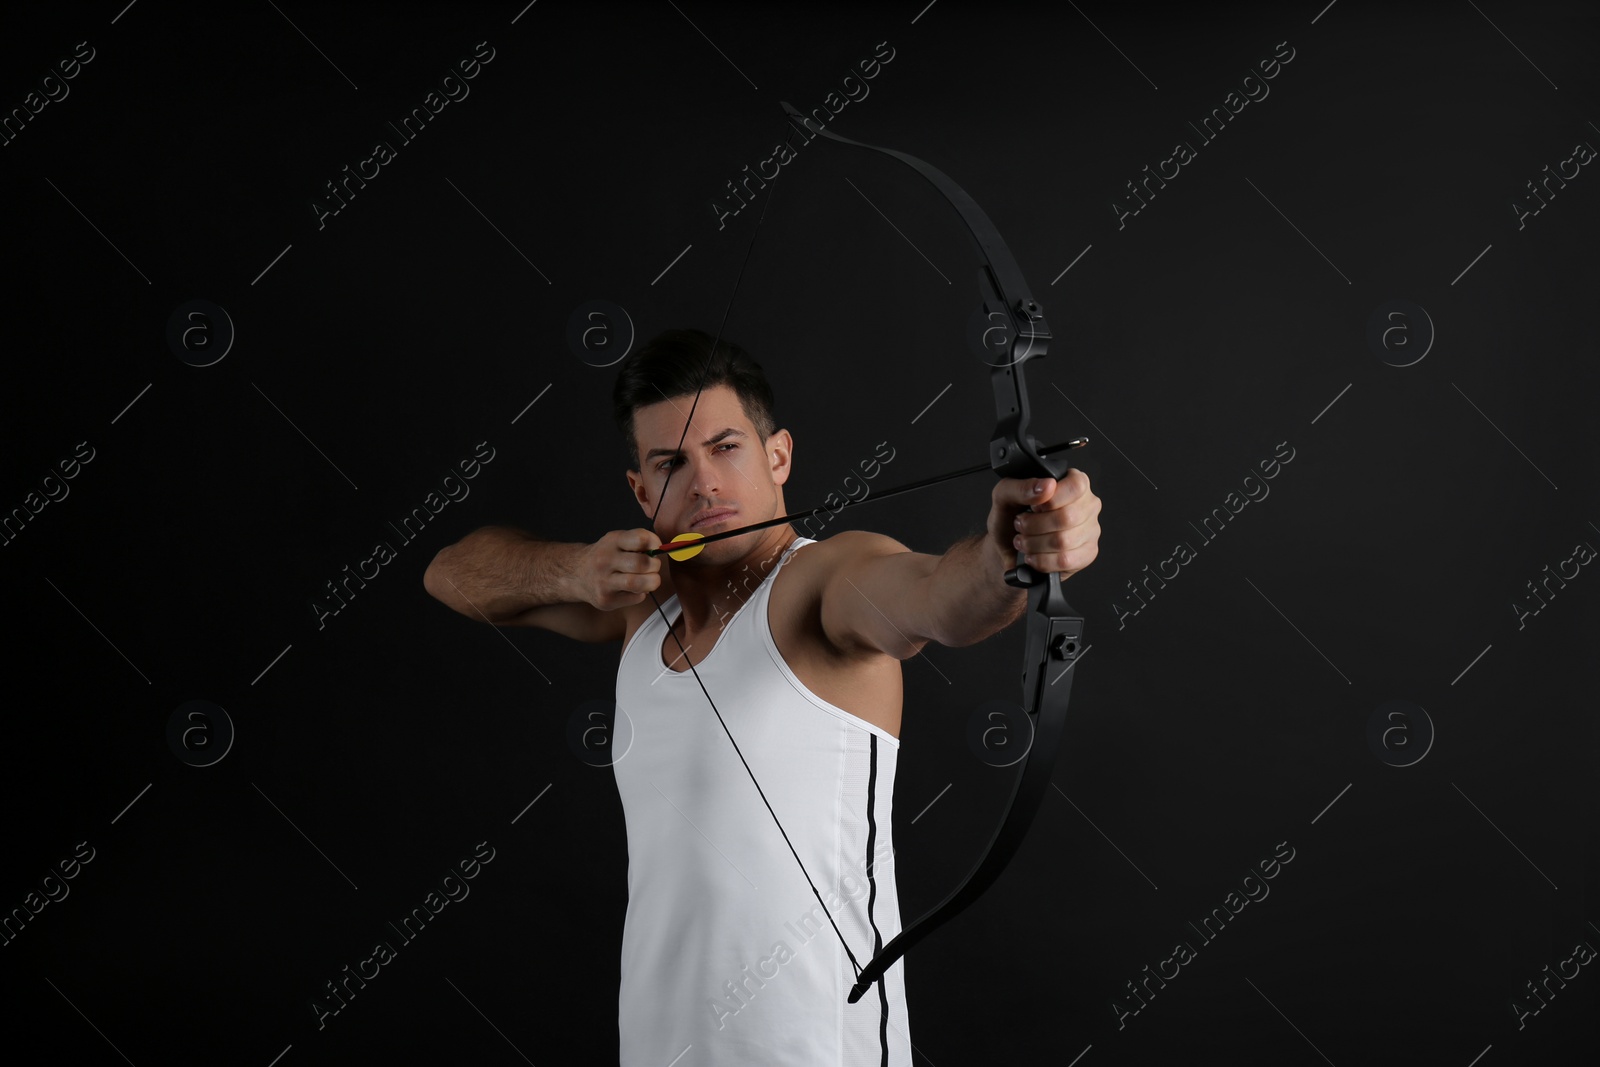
[709,594]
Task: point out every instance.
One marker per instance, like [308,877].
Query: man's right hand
[616,573]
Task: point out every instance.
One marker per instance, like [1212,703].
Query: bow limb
[1054,629]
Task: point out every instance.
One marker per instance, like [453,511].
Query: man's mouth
[712,517]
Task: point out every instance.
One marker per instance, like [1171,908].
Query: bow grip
[1033,462]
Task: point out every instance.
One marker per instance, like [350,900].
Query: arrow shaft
[886,494]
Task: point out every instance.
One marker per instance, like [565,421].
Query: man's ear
[780,455]
[641,493]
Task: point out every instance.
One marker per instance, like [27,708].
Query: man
[733,953]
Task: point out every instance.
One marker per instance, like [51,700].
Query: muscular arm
[505,576]
[884,597]
[881,596]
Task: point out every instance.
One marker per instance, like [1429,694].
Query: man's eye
[664,464]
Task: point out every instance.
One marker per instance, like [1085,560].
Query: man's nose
[702,475]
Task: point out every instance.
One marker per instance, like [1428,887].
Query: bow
[1011,331]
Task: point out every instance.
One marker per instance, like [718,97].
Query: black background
[380,349]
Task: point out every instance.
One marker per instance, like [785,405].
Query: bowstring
[684,652]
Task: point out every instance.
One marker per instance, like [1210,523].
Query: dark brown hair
[679,363]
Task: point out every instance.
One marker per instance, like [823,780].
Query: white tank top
[728,959]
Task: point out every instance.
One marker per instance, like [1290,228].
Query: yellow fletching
[688,552]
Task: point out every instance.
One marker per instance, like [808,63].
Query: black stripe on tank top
[872,892]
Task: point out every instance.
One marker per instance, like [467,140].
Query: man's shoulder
[824,567]
[852,546]
[870,591]
[813,593]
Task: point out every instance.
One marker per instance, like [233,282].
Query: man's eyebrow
[713,439]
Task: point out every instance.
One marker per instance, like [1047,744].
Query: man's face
[724,476]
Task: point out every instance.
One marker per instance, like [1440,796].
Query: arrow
[688,545]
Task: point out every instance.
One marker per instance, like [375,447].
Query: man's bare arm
[889,599]
[505,576]
[886,598]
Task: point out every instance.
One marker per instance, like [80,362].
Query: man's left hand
[1061,532]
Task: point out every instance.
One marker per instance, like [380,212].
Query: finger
[1072,487]
[1070,516]
[638,540]
[1066,562]
[1073,557]
[1023,492]
[635,584]
[636,563]
[1055,542]
[1043,521]
[639,563]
